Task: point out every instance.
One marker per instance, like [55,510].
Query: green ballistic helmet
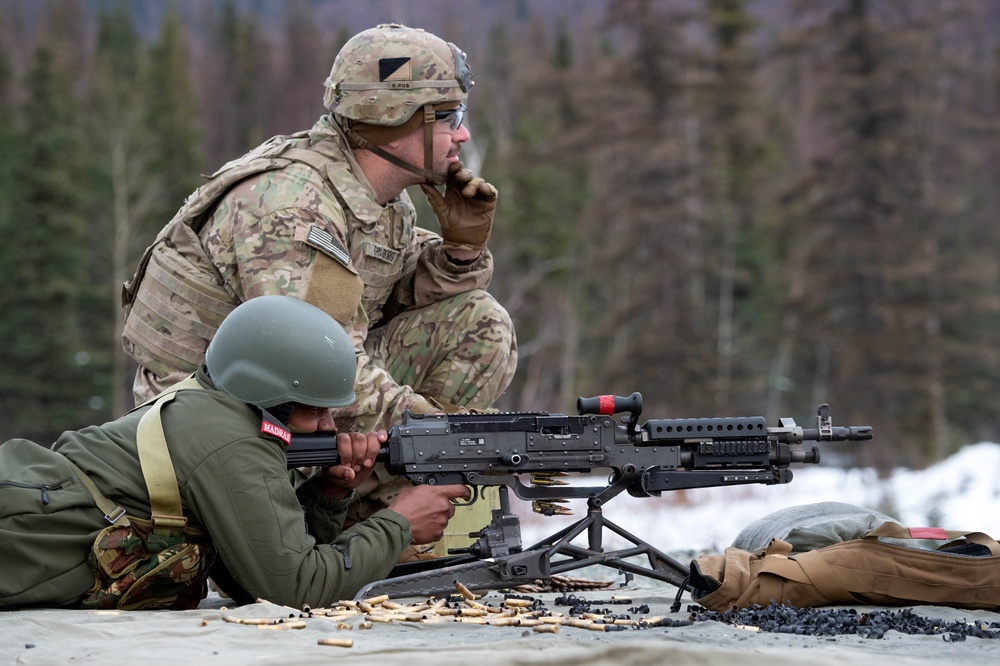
[383,75]
[276,349]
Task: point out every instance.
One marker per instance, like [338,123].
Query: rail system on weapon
[497,449]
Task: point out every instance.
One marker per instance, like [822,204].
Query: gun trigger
[472,500]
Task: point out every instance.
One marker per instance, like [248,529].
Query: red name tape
[279,432]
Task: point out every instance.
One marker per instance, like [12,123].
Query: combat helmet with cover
[277,350]
[383,76]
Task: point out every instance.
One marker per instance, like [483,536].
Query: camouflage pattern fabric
[137,569]
[425,330]
[455,350]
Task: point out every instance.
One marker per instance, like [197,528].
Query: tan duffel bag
[964,573]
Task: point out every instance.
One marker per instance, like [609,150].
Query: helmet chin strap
[427,173]
[282,412]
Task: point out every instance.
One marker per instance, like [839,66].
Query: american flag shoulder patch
[322,240]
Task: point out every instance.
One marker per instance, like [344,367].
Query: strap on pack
[113,513]
[897,531]
[167,516]
[166,513]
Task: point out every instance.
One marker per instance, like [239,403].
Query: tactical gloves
[465,211]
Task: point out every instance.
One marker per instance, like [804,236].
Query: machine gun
[496,449]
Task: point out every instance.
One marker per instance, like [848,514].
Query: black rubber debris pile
[582,607]
[788,619]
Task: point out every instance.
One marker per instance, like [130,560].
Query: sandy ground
[203,636]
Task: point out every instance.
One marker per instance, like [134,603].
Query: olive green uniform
[279,544]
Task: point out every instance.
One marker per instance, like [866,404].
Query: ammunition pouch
[174,312]
[138,569]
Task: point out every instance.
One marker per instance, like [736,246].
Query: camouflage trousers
[460,351]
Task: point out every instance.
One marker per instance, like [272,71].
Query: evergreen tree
[544,185]
[952,121]
[740,159]
[42,387]
[172,122]
[8,145]
[124,151]
[846,203]
[299,90]
[241,86]
[646,266]
[877,275]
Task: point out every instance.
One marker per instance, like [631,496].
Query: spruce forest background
[735,207]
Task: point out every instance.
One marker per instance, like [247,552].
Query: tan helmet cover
[383,75]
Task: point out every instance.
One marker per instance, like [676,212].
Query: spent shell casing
[502,621]
[464,591]
[299,624]
[519,603]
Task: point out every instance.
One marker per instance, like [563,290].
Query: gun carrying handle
[609,405]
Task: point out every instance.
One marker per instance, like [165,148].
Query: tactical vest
[177,298]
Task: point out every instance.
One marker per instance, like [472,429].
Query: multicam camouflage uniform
[321,237]
[424,330]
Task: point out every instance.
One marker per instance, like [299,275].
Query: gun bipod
[537,563]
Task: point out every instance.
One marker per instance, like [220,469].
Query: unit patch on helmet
[322,240]
[394,69]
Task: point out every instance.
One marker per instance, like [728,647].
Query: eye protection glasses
[456,116]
